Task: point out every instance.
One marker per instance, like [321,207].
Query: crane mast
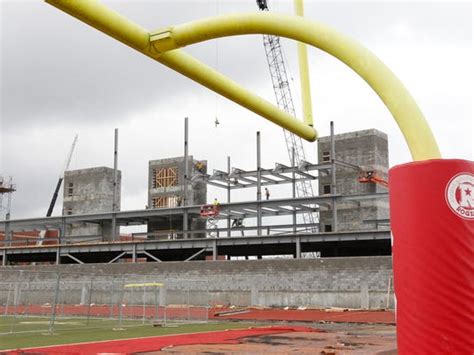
[281,87]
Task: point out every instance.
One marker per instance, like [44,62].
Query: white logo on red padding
[460,195]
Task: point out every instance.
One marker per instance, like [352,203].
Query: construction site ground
[329,338]
[332,331]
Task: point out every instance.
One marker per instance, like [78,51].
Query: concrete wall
[343,282]
[91,192]
[197,193]
[367,149]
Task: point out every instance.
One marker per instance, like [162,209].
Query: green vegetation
[34,331]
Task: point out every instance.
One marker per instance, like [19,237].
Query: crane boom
[42,233]
[61,178]
[69,156]
[281,87]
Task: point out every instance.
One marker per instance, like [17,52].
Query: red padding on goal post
[432,220]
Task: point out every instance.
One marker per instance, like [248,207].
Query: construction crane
[281,87]
[42,233]
[61,178]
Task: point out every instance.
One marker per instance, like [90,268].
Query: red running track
[132,346]
[310,315]
[199,313]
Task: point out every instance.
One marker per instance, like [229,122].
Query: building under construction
[348,217]
[350,213]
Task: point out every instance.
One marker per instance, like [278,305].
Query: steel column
[186,177]
[214,250]
[228,197]
[114,195]
[8,234]
[333,179]
[259,187]
[4,258]
[293,187]
[134,253]
[298,248]
[58,255]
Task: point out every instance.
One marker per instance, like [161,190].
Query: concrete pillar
[364,295]
[162,299]
[298,248]
[134,253]
[58,255]
[16,294]
[4,257]
[254,296]
[85,293]
[214,250]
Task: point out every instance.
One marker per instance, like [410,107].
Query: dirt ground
[334,339]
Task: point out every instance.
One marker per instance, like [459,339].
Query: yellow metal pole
[304,72]
[115,25]
[408,116]
[395,96]
[205,75]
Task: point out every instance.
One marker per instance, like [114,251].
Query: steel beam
[250,242]
[74,258]
[117,257]
[196,254]
[124,217]
[151,256]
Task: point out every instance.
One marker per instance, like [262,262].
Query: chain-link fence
[47,301]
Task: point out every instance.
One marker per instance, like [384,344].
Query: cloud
[60,77]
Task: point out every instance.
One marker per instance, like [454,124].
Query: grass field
[33,331]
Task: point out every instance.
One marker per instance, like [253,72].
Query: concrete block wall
[92,192]
[353,282]
[367,149]
[197,192]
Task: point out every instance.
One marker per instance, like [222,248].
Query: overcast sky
[60,77]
